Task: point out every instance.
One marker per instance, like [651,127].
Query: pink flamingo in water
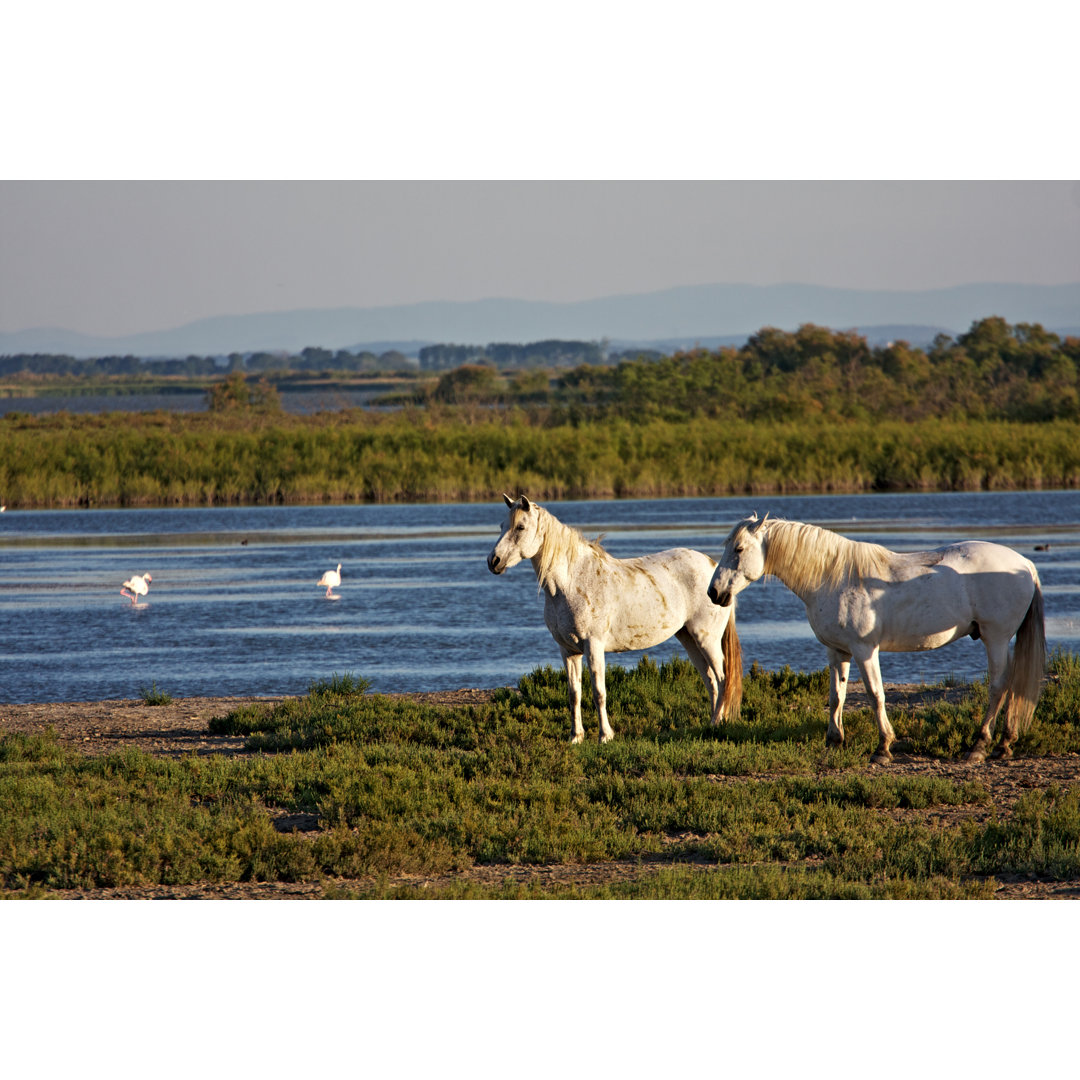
[139,586]
[331,579]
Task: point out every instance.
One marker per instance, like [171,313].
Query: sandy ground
[180,728]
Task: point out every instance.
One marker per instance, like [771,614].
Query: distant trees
[52,364]
[551,353]
[237,394]
[468,383]
[994,371]
[444,357]
[310,359]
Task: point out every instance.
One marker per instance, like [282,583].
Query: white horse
[595,603]
[863,598]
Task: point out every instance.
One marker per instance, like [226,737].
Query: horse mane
[810,556]
[561,545]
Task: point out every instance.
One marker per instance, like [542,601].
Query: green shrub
[677,808]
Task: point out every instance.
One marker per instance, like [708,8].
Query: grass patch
[337,685]
[685,883]
[753,809]
[151,695]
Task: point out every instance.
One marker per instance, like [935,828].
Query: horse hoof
[608,737]
[576,739]
[975,757]
[834,740]
[1003,753]
[881,757]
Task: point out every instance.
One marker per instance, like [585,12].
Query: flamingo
[331,579]
[139,586]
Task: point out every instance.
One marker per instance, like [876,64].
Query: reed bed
[452,454]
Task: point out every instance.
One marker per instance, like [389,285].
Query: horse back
[691,569]
[972,588]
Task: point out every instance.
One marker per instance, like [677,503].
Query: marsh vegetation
[811,411]
[401,798]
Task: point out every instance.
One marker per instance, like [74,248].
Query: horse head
[520,537]
[742,562]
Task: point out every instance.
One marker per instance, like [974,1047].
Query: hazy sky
[108,257]
[513,128]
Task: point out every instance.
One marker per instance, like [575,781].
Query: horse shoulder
[566,615]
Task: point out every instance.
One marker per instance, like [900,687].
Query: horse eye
[521,528]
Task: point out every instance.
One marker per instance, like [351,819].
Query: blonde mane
[561,546]
[810,556]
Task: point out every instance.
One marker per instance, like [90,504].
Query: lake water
[418,609]
[302,402]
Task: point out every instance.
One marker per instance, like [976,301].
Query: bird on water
[139,585]
[331,579]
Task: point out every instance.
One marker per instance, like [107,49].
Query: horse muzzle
[493,564]
[721,597]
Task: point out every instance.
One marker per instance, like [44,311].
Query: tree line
[311,359]
[550,353]
[994,371]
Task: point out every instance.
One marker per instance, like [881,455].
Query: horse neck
[775,565]
[560,548]
[808,559]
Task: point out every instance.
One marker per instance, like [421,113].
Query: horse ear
[506,499]
[525,504]
[761,524]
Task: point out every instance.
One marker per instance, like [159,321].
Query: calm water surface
[292,401]
[234,608]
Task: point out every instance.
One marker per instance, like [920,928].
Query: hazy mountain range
[708,315]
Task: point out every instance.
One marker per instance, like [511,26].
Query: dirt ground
[181,728]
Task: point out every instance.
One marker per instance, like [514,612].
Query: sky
[243,161]
[119,257]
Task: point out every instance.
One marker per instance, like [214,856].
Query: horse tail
[1028,666]
[732,651]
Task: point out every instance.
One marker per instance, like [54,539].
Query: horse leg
[599,689]
[871,676]
[573,677]
[839,666]
[997,659]
[708,667]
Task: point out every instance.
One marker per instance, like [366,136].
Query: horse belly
[924,615]
[644,614]
[914,615]
[921,640]
[631,635]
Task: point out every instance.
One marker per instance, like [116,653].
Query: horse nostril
[718,597]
